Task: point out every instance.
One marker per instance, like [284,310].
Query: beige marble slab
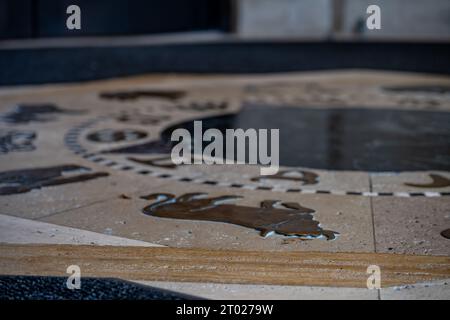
[412,225]
[97,205]
[24,231]
[217,291]
[433,290]
[350,216]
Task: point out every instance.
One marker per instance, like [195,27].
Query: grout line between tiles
[372,214]
[71,209]
[373,225]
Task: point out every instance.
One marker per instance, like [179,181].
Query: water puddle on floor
[374,140]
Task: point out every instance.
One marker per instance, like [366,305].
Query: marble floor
[365,153]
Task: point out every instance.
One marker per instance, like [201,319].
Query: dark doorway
[47,18]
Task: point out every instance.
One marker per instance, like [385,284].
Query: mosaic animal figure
[291,220]
[25,180]
[137,94]
[22,114]
[11,141]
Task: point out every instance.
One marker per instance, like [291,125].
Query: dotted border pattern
[71,141]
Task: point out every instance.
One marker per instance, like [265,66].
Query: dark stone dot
[446,233]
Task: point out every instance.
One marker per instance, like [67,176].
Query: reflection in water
[137,94]
[337,139]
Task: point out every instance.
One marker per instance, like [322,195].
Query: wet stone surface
[374,140]
[348,139]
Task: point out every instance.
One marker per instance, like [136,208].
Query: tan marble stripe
[220,266]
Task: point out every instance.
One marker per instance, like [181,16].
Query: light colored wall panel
[318,19]
[404,19]
[284,18]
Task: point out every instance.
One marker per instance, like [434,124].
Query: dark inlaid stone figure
[34,113]
[292,220]
[374,140]
[113,135]
[25,180]
[13,140]
[138,94]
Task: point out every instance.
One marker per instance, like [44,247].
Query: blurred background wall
[284,18]
[47,18]
[293,19]
[401,19]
